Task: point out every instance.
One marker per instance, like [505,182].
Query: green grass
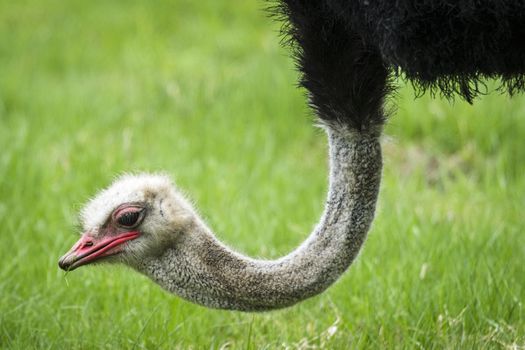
[202,91]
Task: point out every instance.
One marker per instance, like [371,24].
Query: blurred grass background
[202,90]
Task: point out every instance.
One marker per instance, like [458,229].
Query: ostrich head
[137,216]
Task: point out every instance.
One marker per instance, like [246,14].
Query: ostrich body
[144,222]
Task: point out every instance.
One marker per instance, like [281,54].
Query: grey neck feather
[201,269]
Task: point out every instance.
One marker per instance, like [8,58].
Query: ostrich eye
[129,218]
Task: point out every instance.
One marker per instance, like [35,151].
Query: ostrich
[345,52]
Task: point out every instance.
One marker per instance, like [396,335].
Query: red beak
[89,249]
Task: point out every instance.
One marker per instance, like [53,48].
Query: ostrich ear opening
[185,221]
[89,249]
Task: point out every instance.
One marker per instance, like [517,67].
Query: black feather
[345,77]
[446,46]
[347,49]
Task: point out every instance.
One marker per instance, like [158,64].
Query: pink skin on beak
[89,249]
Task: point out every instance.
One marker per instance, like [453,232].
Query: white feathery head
[167,212]
[126,189]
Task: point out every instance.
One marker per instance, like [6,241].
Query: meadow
[203,91]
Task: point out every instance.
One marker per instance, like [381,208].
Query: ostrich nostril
[88,244]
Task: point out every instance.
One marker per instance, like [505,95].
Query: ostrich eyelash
[129,219]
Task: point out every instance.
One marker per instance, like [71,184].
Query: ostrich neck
[201,269]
